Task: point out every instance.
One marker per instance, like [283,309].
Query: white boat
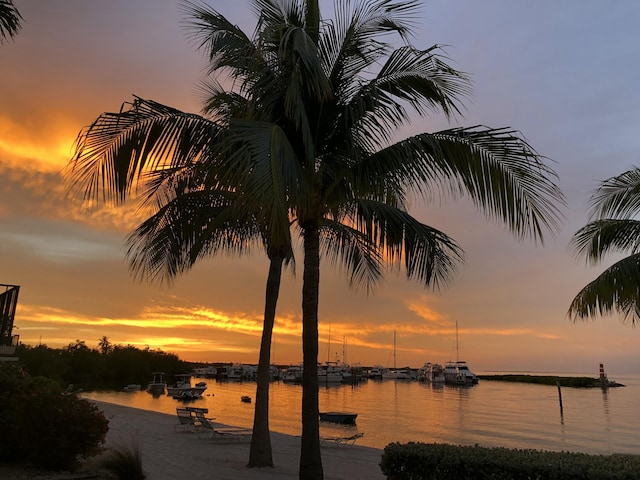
[239,372]
[183,386]
[375,372]
[209,371]
[292,374]
[157,384]
[458,373]
[397,374]
[333,372]
[431,373]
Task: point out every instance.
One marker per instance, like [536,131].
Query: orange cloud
[45,152]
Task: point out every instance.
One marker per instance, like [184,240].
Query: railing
[8,302]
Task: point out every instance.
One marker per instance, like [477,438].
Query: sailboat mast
[329,345]
[457,347]
[394,350]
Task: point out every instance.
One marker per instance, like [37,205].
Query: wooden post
[559,395]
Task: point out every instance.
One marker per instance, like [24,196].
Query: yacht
[431,373]
[458,373]
[333,372]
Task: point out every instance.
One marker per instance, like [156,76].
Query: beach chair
[204,427]
[340,441]
[186,420]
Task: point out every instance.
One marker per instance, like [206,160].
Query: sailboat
[395,374]
[458,372]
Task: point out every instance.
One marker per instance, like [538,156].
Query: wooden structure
[8,303]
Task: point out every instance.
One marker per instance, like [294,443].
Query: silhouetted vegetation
[125,462]
[41,426]
[422,461]
[577,382]
[105,367]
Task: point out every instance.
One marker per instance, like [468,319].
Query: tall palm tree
[614,227]
[345,181]
[194,215]
[10,20]
[315,150]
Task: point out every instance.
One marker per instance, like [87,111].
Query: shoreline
[167,454]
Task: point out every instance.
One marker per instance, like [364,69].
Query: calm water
[489,414]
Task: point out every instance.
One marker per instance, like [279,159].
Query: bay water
[491,414]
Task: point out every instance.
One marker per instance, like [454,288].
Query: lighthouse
[604,383]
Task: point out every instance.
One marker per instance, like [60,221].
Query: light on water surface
[492,414]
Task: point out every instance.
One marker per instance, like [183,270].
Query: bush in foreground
[422,461]
[44,428]
[125,462]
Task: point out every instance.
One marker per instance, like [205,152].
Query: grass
[125,461]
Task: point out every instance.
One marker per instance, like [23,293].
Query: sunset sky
[566,74]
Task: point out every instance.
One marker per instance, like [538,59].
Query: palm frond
[117,148]
[348,248]
[617,197]
[191,226]
[10,20]
[496,168]
[426,253]
[373,110]
[600,237]
[616,290]
[274,177]
[225,44]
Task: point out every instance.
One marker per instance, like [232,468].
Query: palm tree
[194,215]
[10,20]
[105,346]
[613,228]
[345,182]
[315,151]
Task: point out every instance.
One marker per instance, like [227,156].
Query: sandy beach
[168,454]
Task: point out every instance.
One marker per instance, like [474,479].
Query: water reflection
[489,414]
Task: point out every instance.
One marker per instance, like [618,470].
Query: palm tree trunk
[260,454]
[310,459]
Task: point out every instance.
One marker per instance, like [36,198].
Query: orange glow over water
[491,414]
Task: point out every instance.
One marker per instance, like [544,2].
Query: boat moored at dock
[458,373]
[157,385]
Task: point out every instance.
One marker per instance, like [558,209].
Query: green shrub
[421,461]
[43,427]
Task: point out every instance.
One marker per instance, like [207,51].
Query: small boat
[245,399]
[186,395]
[183,384]
[157,384]
[133,387]
[339,417]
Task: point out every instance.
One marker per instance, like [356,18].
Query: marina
[492,413]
